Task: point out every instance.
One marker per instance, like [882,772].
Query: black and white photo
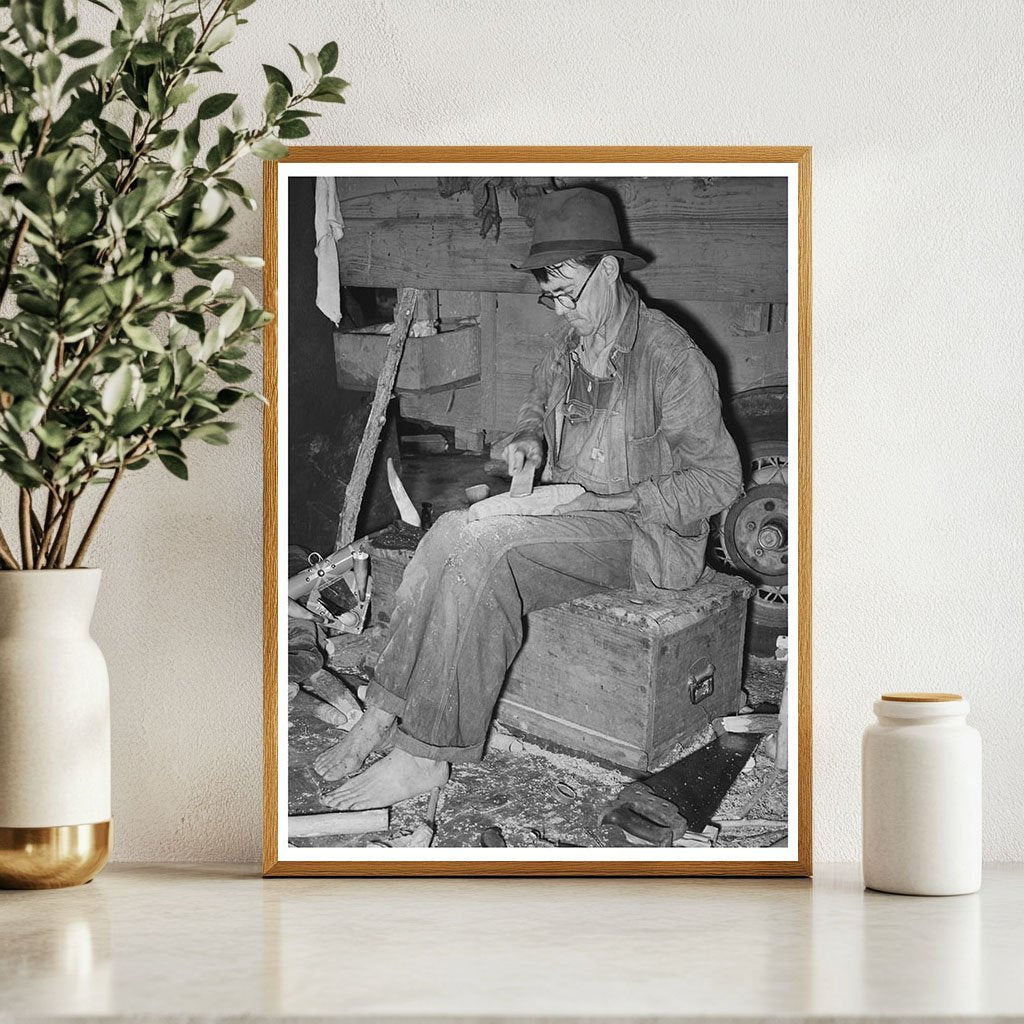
[536,556]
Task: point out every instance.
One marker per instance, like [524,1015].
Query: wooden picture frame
[702,167]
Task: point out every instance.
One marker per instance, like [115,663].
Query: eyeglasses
[568,301]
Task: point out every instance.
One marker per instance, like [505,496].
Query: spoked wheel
[751,539]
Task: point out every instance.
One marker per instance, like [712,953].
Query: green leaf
[53,14]
[181,94]
[328,57]
[184,44]
[293,130]
[21,471]
[116,390]
[232,373]
[144,338]
[149,53]
[53,435]
[49,68]
[14,68]
[269,149]
[232,319]
[276,100]
[275,76]
[311,65]
[128,421]
[156,101]
[26,414]
[175,465]
[228,397]
[211,433]
[216,104]
[193,379]
[324,96]
[195,296]
[83,48]
[133,13]
[222,281]
[78,78]
[221,35]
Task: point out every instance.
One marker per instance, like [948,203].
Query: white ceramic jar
[921,778]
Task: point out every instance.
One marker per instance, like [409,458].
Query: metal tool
[522,482]
[361,570]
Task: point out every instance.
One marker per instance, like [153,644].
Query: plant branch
[25,522]
[87,357]
[94,523]
[6,554]
[22,229]
[60,543]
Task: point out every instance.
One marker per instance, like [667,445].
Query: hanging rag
[329,230]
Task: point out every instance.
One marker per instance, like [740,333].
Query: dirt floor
[535,797]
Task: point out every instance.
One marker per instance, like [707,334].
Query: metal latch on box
[700,682]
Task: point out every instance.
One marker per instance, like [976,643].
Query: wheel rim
[765,505]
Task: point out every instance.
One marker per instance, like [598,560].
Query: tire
[751,539]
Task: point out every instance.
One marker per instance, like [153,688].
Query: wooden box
[612,676]
[625,680]
[433,362]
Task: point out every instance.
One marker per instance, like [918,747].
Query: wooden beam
[691,259]
[762,198]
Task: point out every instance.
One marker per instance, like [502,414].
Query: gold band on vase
[52,857]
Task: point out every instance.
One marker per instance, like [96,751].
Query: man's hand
[590,502]
[298,611]
[526,451]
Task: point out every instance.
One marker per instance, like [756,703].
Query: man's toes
[340,798]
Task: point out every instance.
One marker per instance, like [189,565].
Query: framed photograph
[538,511]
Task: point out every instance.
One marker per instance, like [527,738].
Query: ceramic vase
[54,731]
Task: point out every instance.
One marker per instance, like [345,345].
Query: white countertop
[180,941]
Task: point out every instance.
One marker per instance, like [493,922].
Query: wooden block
[747,724]
[469,440]
[337,823]
[522,482]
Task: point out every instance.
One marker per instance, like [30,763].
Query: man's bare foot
[397,777]
[347,755]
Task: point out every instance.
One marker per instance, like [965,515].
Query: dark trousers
[458,621]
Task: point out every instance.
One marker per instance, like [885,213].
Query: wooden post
[404,309]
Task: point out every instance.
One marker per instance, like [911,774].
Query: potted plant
[122,339]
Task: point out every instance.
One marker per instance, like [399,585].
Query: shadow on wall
[325,423]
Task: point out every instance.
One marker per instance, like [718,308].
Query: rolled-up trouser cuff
[418,748]
[384,699]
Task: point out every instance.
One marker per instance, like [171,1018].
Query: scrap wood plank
[404,311]
[746,723]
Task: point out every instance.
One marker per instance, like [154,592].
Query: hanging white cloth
[329,229]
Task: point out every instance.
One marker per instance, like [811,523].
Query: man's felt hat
[575,222]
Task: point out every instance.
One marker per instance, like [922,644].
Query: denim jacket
[681,463]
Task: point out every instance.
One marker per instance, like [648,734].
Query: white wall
[914,113]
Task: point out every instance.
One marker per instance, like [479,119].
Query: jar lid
[921,698]
[921,705]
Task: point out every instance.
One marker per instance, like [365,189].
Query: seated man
[627,408]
